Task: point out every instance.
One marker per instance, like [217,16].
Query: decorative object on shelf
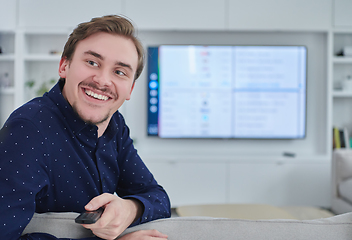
[338,85]
[346,51]
[341,138]
[54,52]
[347,84]
[5,80]
[43,88]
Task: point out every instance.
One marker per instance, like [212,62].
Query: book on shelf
[341,138]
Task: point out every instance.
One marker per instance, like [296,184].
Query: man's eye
[92,63]
[118,72]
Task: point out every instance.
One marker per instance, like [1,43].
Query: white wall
[219,171]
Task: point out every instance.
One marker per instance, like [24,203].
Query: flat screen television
[246,92]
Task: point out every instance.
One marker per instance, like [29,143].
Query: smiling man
[101,74]
[70,150]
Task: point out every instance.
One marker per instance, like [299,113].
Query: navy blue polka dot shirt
[52,161]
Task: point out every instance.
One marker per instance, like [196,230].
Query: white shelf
[7,90]
[343,60]
[7,57]
[42,57]
[342,94]
[342,30]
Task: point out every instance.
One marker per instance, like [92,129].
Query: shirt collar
[77,125]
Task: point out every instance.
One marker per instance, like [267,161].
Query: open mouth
[96,96]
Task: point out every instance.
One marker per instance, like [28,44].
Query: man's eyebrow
[95,54]
[122,64]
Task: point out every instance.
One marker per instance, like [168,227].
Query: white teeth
[97,96]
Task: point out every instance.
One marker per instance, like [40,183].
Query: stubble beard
[104,90]
[89,121]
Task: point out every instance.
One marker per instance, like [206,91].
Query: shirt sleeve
[137,182]
[23,178]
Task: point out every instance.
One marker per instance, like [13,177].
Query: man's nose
[104,77]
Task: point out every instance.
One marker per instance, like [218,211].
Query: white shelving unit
[28,55]
[341,68]
[41,56]
[7,67]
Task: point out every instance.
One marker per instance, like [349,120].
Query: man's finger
[155,233]
[99,201]
[144,234]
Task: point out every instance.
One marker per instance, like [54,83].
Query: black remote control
[89,217]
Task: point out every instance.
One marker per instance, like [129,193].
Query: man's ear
[63,67]
[129,97]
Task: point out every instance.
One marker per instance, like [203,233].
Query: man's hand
[144,235]
[118,215]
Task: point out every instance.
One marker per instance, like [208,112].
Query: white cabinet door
[64,13]
[191,183]
[342,13]
[281,184]
[7,15]
[280,14]
[173,15]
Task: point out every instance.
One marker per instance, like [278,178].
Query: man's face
[100,76]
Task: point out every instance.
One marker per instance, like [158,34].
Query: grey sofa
[192,228]
[341,183]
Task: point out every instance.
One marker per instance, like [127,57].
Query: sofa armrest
[181,228]
[61,225]
[341,168]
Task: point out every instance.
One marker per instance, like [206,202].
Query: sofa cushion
[193,228]
[345,190]
[210,228]
[343,159]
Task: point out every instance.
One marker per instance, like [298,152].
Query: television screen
[255,92]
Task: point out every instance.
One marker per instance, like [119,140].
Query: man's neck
[102,127]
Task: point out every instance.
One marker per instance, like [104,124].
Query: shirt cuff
[146,206]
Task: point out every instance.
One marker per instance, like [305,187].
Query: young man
[70,150]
